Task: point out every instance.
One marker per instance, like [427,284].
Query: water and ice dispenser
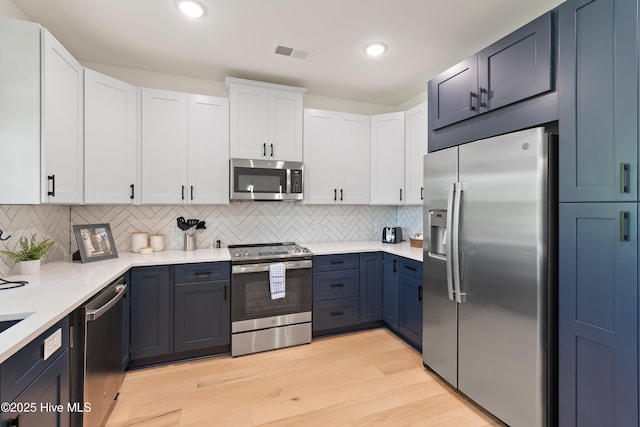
[438,233]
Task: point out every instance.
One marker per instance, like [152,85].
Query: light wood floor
[360,379]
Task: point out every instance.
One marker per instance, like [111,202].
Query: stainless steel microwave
[266,180]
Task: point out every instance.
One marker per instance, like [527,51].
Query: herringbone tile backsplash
[234,223]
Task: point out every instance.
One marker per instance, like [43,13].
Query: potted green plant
[29,254]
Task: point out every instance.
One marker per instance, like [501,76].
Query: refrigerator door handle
[448,243]
[455,239]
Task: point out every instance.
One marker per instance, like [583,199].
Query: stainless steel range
[271,296]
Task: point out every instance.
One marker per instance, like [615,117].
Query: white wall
[9,10]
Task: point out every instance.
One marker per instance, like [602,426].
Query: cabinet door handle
[421,193]
[271,150]
[395,265]
[335,194]
[225,292]
[264,150]
[471,96]
[624,177]
[192,192]
[419,293]
[624,226]
[52,178]
[183,192]
[401,194]
[132,196]
[336,313]
[484,92]
[341,194]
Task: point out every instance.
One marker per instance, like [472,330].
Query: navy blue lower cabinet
[202,315]
[336,314]
[151,312]
[390,278]
[598,314]
[370,287]
[44,403]
[410,309]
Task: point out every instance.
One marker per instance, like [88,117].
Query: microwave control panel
[296,181]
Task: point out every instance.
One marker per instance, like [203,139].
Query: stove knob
[297,250]
[305,250]
[246,253]
[237,254]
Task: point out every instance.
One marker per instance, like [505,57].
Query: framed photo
[95,242]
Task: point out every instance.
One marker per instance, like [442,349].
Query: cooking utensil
[200,226]
[193,222]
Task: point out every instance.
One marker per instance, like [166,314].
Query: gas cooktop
[267,252]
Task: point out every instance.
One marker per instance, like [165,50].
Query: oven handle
[258,268]
[95,314]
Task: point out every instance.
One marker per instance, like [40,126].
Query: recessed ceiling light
[190,8]
[375,49]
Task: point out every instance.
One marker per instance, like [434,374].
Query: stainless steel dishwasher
[97,355]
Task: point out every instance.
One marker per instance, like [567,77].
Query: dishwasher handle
[96,313]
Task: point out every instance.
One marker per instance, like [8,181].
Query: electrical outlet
[52,343]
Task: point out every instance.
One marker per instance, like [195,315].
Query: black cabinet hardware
[335,194]
[419,293]
[335,262]
[225,292]
[192,192]
[337,285]
[336,313]
[341,194]
[471,96]
[52,178]
[395,265]
[624,226]
[271,150]
[14,422]
[401,194]
[183,192]
[624,177]
[202,273]
[132,196]
[264,150]
[421,193]
[483,92]
[410,268]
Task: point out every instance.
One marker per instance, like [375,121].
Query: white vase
[29,267]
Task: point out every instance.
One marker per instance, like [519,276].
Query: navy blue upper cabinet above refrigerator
[508,86]
[598,77]
[517,67]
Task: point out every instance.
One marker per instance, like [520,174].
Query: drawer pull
[337,262]
[202,273]
[410,268]
[337,313]
[337,285]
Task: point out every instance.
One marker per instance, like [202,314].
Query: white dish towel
[277,273]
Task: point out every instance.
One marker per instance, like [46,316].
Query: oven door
[251,295]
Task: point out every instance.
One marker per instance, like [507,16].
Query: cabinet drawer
[203,272]
[336,313]
[410,267]
[336,284]
[26,365]
[336,262]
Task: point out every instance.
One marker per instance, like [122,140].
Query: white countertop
[61,287]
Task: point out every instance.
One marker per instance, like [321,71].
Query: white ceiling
[237,38]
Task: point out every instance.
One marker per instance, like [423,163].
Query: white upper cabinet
[265,120]
[61,124]
[19,112]
[336,158]
[110,132]
[184,140]
[208,148]
[387,159]
[415,149]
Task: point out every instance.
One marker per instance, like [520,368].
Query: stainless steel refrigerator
[488,273]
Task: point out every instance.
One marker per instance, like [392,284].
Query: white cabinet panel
[265,120]
[336,157]
[110,160]
[164,146]
[185,148]
[19,112]
[415,149]
[208,148]
[387,159]
[61,124]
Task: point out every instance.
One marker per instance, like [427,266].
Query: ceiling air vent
[294,52]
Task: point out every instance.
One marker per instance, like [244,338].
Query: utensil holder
[189,242]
